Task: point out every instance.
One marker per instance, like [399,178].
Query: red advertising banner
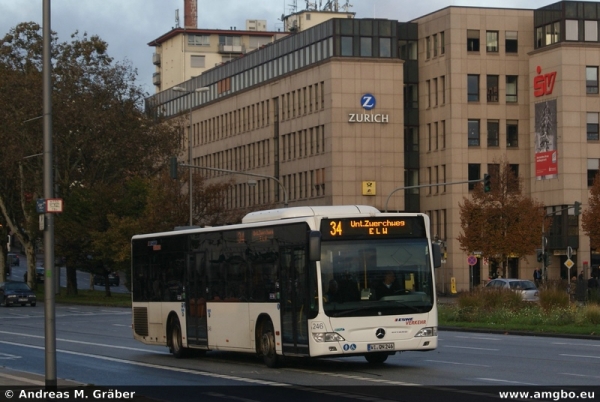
[546,163]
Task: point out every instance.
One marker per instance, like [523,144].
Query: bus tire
[376,358]
[176,344]
[267,344]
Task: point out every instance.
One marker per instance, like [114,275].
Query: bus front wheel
[176,344]
[267,342]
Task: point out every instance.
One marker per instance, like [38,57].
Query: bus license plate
[374,347]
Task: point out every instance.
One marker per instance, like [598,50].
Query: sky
[129,25]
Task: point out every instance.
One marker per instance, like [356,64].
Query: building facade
[352,111]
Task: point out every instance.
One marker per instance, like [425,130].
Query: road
[95,346]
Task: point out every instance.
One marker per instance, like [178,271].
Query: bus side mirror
[314,246]
[437,255]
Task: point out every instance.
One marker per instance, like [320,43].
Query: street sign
[54,205]
[569,263]
[40,205]
[569,252]
[471,260]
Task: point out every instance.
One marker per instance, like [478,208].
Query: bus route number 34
[336,228]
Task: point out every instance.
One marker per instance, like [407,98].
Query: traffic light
[173,167]
[487,183]
[546,259]
[540,256]
[577,208]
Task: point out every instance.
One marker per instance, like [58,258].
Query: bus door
[294,300]
[196,299]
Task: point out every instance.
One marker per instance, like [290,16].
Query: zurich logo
[367,101]
[380,333]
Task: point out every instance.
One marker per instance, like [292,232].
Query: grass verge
[504,311]
[89,298]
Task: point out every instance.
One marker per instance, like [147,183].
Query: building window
[539,37]
[473,135]
[512,133]
[493,136]
[491,41]
[198,61]
[572,30]
[428,47]
[473,40]
[230,40]
[443,88]
[591,79]
[346,46]
[593,166]
[428,84]
[435,45]
[385,47]
[474,174]
[473,88]
[408,50]
[492,88]
[435,91]
[511,89]
[591,31]
[592,127]
[442,43]
[198,40]
[511,42]
[366,47]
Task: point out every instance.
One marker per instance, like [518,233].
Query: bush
[591,314]
[552,298]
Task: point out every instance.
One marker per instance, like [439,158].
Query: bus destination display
[346,228]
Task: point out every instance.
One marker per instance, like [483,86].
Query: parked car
[527,289]
[113,279]
[13,293]
[39,275]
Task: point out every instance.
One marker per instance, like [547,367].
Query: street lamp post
[285,193]
[190,188]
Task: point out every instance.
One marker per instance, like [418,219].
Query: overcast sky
[129,25]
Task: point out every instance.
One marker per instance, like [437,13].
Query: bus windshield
[376,277]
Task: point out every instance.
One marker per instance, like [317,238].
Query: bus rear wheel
[267,343]
[376,358]
[176,344]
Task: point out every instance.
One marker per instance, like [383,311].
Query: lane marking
[86,343]
[22,379]
[589,357]
[355,377]
[505,381]
[580,375]
[478,337]
[462,364]
[154,366]
[469,347]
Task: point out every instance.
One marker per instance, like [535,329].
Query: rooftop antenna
[177,18]
[347,6]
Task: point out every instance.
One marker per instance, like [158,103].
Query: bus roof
[299,212]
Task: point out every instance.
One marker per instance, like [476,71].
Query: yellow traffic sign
[569,263]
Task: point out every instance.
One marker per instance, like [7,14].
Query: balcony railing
[232,48]
[156,59]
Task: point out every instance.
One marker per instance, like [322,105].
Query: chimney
[190,14]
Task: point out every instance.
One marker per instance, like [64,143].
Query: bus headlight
[427,331]
[327,337]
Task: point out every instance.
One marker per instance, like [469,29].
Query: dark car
[113,279]
[39,275]
[13,293]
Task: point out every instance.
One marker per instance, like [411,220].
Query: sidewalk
[15,378]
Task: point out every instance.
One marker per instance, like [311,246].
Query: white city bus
[305,281]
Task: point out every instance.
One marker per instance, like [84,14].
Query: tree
[102,139]
[502,223]
[590,219]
